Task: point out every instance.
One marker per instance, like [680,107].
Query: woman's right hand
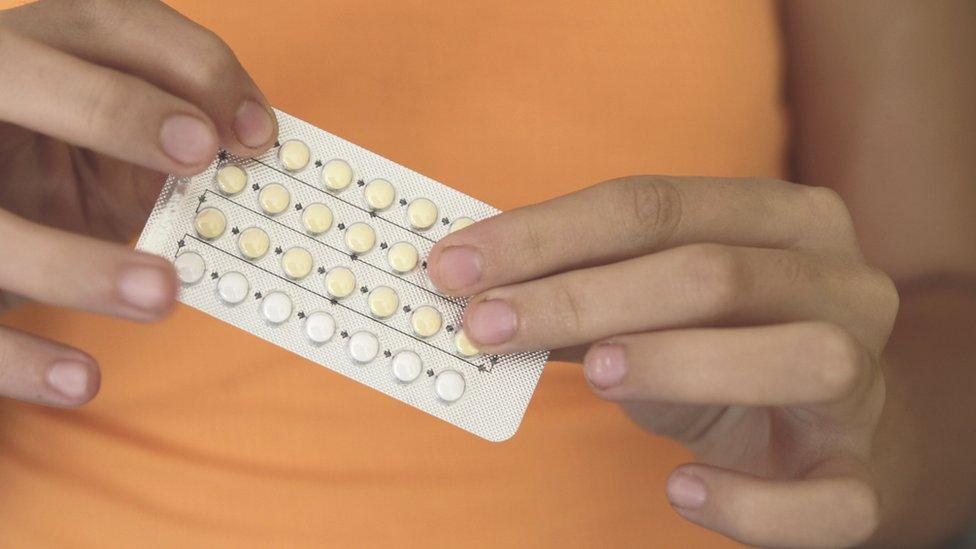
[98,100]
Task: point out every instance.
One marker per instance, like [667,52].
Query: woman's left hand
[736,316]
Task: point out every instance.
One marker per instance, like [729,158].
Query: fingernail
[686,491]
[187,139]
[147,288]
[253,124]
[69,377]
[459,267]
[490,322]
[605,365]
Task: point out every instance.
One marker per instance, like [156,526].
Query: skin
[92,114]
[757,321]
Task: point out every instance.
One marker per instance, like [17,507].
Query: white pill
[449,385]
[360,238]
[232,287]
[379,194]
[190,267]
[297,263]
[363,347]
[403,257]
[276,307]
[231,179]
[320,327]
[340,282]
[422,214]
[294,155]
[336,175]
[464,346]
[426,321]
[383,302]
[274,199]
[407,366]
[210,223]
[460,223]
[317,218]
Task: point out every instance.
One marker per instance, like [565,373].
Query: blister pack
[318,246]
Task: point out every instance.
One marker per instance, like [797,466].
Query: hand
[737,316]
[97,101]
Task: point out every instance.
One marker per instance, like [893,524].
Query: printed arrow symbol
[423,265]
[360,183]
[278,250]
[318,163]
[353,257]
[449,328]
[301,314]
[494,360]
[202,199]
[406,308]
[334,301]
[403,202]
[372,214]
[383,245]
[277,143]
[342,226]
[364,289]
[257,295]
[222,155]
[321,270]
[298,206]
[387,354]
[344,334]
[481,367]
[430,373]
[444,221]
[180,243]
[235,230]
[255,186]
[213,275]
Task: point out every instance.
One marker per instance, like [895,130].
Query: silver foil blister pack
[223,272]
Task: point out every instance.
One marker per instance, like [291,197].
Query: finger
[155,42]
[634,216]
[37,370]
[110,112]
[834,506]
[70,270]
[796,364]
[695,285]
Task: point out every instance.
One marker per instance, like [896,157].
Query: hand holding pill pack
[318,246]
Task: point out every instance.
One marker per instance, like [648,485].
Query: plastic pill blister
[319,247]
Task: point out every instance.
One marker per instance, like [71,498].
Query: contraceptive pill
[320,247]
[231,179]
[294,155]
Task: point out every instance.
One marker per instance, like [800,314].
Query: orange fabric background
[205,436]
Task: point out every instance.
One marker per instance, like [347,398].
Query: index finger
[627,217]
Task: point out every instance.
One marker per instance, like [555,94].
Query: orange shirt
[204,436]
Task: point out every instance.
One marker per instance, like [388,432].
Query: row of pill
[378,195]
[320,327]
[253,243]
[340,282]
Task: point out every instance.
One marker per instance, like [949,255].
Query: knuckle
[217,65]
[716,277]
[841,359]
[830,212]
[570,308]
[653,202]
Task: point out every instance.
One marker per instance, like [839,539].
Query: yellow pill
[464,346]
[317,218]
[383,302]
[336,175]
[379,194]
[253,243]
[294,155]
[274,199]
[402,257]
[426,321]
[297,263]
[231,179]
[460,223]
[422,214]
[340,282]
[360,238]
[210,223]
